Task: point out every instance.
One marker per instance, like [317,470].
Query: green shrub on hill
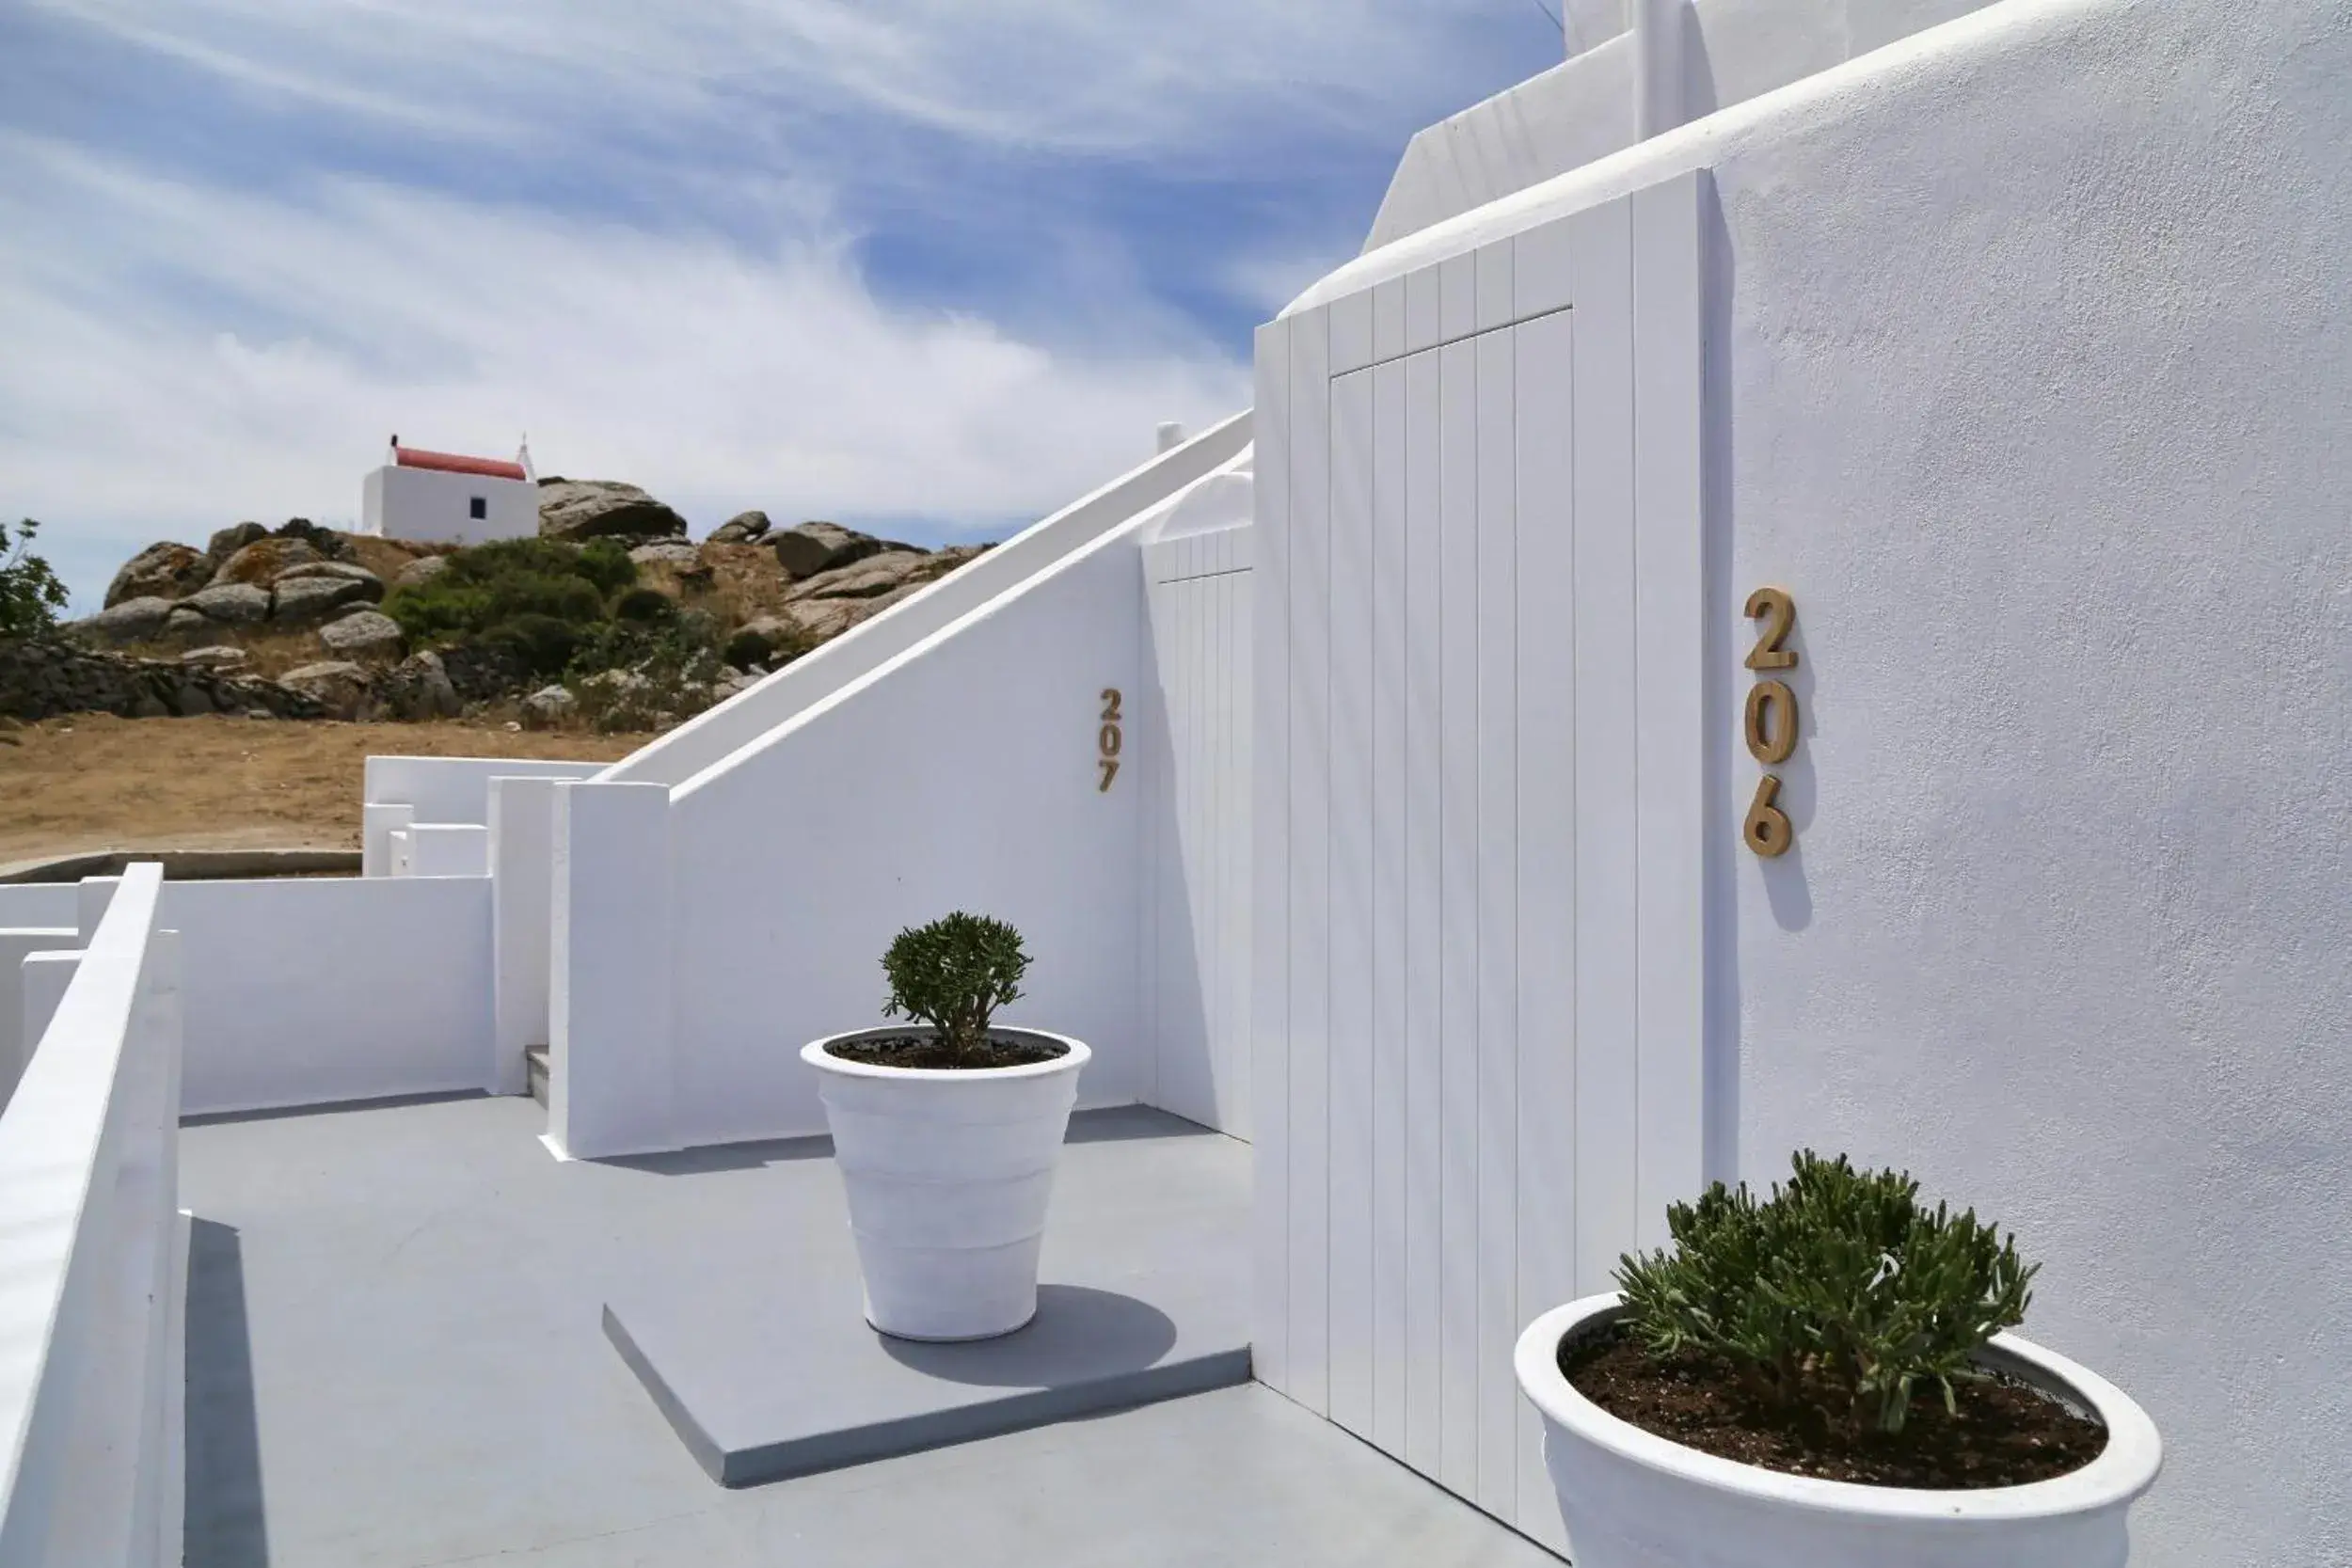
[540,600]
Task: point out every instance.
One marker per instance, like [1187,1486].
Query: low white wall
[612,1087]
[30,904]
[744,719]
[522,860]
[16,945]
[440,790]
[92,1277]
[2026,374]
[962,774]
[304,990]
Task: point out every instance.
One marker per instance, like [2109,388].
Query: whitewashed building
[446,498]
[1792,596]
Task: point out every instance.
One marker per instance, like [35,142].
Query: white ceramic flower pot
[948,1173]
[1631,1499]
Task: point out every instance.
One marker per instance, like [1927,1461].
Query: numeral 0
[1771,722]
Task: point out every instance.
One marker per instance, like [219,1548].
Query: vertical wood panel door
[1474,925]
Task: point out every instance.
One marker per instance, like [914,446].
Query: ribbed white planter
[948,1173]
[1631,1499]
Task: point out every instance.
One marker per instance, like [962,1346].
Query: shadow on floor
[225,1522]
[1079,1335]
[330,1107]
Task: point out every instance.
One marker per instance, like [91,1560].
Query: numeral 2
[1780,611]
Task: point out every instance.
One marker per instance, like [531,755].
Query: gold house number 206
[1770,724]
[1107,739]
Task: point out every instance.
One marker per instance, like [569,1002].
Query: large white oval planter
[948,1173]
[1631,1499]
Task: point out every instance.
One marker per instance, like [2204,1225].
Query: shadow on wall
[224,1518]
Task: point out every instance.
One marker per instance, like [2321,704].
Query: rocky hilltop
[613,617]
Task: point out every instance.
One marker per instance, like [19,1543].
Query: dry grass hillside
[95,782]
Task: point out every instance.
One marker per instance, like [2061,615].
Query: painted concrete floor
[395,1360]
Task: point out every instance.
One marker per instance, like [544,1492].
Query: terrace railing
[92,1260]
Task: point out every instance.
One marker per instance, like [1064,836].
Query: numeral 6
[1767,829]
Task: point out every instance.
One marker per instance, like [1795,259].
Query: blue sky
[933,266]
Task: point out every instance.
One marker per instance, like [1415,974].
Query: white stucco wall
[398,790]
[959,775]
[39,904]
[2027,368]
[432,506]
[304,990]
[745,718]
[1730,50]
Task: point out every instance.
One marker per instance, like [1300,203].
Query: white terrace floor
[395,1358]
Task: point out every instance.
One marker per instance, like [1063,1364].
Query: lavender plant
[1841,1294]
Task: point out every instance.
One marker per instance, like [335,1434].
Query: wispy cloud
[937,261]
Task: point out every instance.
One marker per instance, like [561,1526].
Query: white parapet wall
[93,1268]
[1702,56]
[2024,372]
[397,791]
[744,719]
[17,944]
[307,990]
[613,1087]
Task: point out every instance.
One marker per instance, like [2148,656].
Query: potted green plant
[1822,1379]
[947,1131]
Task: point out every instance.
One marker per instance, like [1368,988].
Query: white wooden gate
[1476,933]
[1196,826]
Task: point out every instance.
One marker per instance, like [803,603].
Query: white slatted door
[1475,924]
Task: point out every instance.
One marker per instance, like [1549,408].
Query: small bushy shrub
[606,564]
[642,675]
[1841,1294]
[953,974]
[747,648]
[30,594]
[489,588]
[646,606]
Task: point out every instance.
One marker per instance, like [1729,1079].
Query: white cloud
[1070,74]
[717,379]
[191,342]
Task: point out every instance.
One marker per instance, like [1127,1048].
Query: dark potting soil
[929,1050]
[2007,1432]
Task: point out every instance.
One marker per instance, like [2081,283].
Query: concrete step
[536,1070]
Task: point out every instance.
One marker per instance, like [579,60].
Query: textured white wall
[961,774]
[2027,375]
[432,505]
[302,991]
[2037,384]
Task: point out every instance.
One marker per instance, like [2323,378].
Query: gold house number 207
[1107,739]
[1770,724]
